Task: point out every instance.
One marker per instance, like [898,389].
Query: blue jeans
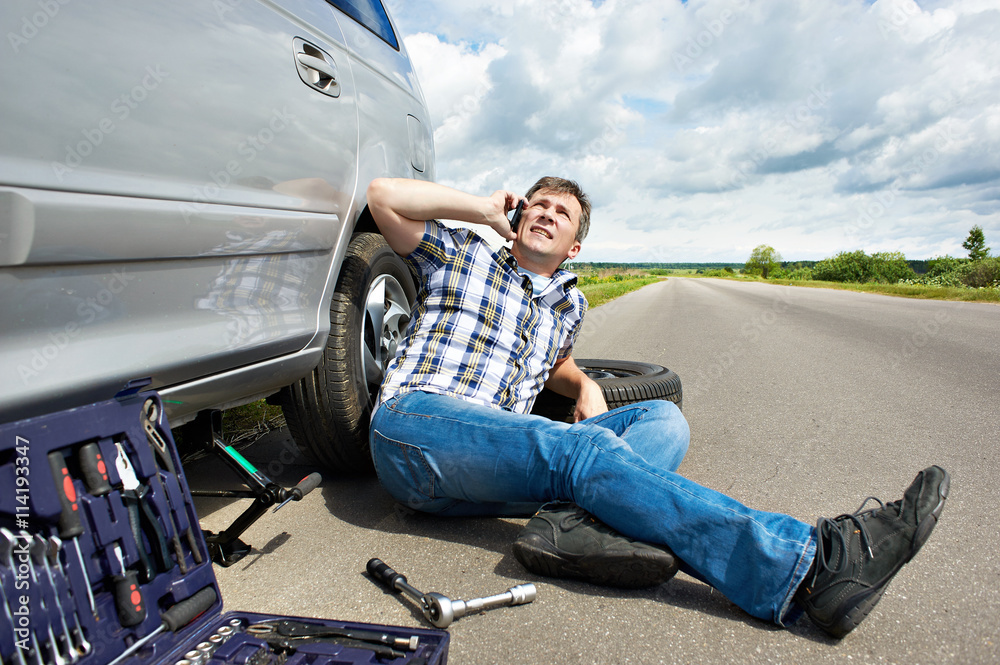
[444,455]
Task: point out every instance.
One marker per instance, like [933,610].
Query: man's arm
[400,206]
[567,379]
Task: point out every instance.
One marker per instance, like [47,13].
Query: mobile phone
[516,219]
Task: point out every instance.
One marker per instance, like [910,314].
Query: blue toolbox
[102,560]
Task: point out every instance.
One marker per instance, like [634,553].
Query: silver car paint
[175,201]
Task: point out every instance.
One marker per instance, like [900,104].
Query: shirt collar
[560,277]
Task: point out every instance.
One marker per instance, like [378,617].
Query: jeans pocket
[403,471]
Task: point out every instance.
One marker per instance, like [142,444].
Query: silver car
[182,197]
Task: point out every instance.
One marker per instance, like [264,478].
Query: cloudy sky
[703,129]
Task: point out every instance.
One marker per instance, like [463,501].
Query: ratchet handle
[381,571]
[188,609]
[393,580]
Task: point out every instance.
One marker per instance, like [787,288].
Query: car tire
[622,382]
[329,410]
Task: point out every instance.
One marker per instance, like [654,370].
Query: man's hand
[590,402]
[501,202]
[567,379]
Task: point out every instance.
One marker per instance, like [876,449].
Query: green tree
[976,244]
[856,266]
[764,260]
[942,265]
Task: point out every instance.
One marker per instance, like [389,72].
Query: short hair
[564,186]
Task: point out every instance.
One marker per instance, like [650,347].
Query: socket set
[103,562]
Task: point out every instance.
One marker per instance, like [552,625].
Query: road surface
[802,401]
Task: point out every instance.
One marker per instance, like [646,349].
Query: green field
[600,290]
[900,290]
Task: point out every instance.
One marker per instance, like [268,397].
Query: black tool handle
[70,524]
[189,609]
[381,571]
[128,599]
[134,520]
[175,618]
[95,471]
[306,485]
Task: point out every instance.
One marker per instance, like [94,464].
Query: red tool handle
[70,524]
[307,484]
[95,471]
[128,599]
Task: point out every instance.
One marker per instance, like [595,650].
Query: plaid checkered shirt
[478,331]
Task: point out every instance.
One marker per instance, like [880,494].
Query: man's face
[549,223]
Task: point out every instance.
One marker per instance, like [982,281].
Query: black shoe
[564,540]
[857,555]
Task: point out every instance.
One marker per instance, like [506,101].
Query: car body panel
[175,199]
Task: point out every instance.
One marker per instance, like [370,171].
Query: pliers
[142,519]
[287,635]
[150,419]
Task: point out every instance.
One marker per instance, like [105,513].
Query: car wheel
[622,381]
[329,410]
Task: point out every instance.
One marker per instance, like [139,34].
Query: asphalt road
[803,401]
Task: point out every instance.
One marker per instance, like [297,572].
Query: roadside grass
[605,289]
[926,292]
[250,422]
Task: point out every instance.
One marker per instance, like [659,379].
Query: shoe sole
[624,570]
[862,603]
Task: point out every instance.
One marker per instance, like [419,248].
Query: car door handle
[319,65]
[316,68]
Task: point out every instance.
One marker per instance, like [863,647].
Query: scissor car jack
[225,547]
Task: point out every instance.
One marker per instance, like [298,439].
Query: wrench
[39,555]
[5,546]
[54,545]
[150,424]
[441,610]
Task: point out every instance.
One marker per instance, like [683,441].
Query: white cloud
[704,129]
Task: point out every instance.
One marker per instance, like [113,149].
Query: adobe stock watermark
[882,202]
[612,133]
[819,96]
[248,150]
[87,311]
[32,24]
[926,331]
[557,8]
[223,7]
[246,322]
[471,103]
[699,44]
[750,333]
[120,109]
[290,455]
[897,19]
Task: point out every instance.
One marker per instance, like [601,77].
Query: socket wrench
[441,610]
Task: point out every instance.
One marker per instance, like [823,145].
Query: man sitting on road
[452,434]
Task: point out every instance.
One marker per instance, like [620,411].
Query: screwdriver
[306,485]
[128,596]
[177,617]
[70,524]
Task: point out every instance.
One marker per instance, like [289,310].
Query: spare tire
[622,381]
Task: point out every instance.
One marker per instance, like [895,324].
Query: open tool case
[103,561]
